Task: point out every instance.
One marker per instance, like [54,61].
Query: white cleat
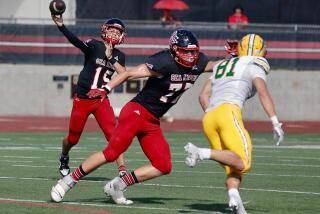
[236,205]
[114,190]
[193,154]
[61,188]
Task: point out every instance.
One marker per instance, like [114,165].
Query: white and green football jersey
[232,80]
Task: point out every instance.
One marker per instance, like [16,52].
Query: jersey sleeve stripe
[264,64]
[266,71]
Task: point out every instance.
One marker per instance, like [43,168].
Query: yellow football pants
[224,129]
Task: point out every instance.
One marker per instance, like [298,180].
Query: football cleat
[61,188]
[193,154]
[115,189]
[236,205]
[64,168]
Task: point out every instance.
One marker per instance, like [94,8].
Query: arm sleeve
[83,46]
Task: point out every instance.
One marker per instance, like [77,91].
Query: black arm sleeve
[73,39]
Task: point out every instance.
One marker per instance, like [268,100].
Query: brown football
[57,7]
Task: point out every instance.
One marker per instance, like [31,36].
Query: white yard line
[82,149]
[189,171]
[183,186]
[211,162]
[287,158]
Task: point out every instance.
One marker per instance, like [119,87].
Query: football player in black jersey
[171,72]
[101,61]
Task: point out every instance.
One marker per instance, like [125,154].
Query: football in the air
[57,7]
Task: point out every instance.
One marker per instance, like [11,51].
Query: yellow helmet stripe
[251,44]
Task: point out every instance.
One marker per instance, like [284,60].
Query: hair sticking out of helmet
[252,45]
[184,47]
[114,37]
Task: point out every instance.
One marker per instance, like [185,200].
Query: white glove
[277,130]
[278,133]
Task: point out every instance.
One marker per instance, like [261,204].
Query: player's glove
[232,47]
[277,130]
[97,92]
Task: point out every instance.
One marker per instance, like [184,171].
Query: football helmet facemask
[110,35]
[252,45]
[184,47]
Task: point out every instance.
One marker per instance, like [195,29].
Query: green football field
[283,179]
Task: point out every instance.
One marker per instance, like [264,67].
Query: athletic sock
[129,179]
[64,155]
[233,192]
[78,173]
[205,154]
[122,168]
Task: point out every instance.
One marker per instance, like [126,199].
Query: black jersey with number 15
[161,93]
[97,71]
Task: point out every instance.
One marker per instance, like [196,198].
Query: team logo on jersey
[116,58]
[137,112]
[190,77]
[195,67]
[176,77]
[101,62]
[185,77]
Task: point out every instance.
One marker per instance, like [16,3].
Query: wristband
[107,88]
[112,60]
[274,120]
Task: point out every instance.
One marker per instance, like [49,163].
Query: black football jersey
[161,93]
[97,70]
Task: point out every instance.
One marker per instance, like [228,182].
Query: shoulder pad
[262,63]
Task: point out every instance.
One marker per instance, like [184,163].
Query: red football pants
[81,110]
[135,120]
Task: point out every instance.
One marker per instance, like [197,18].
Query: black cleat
[64,168]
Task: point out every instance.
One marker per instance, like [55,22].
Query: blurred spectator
[169,19]
[238,20]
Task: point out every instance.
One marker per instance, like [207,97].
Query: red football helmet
[232,47]
[113,37]
[184,47]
